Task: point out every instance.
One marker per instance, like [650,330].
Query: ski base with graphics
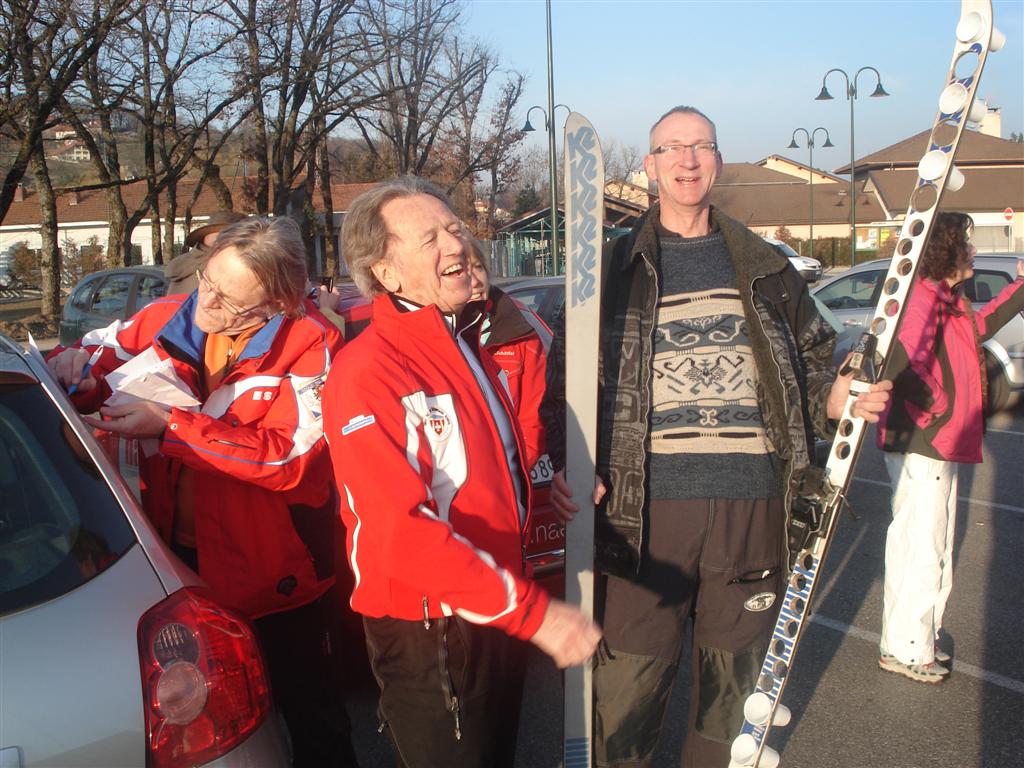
[584,220]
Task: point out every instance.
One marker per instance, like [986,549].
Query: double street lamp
[549,126]
[810,164]
[851,95]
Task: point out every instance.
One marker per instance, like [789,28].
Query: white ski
[584,219]
[814,516]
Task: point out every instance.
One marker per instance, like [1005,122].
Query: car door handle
[849,323]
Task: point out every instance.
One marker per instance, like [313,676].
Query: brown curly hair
[947,244]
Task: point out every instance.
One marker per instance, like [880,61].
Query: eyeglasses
[229,306]
[700,148]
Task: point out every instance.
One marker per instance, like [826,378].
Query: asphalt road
[846,712]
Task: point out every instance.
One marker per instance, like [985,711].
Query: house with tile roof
[993,190]
[83,215]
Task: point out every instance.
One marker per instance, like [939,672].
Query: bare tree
[166,71]
[422,87]
[620,163]
[46,43]
[302,61]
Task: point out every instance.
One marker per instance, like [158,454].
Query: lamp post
[549,123]
[810,164]
[851,95]
[549,126]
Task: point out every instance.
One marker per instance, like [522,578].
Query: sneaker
[941,656]
[931,673]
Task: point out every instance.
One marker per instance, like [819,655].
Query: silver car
[809,268]
[112,653]
[853,294]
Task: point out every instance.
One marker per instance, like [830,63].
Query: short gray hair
[273,250]
[364,236]
[682,109]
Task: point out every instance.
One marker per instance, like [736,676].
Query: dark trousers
[718,562]
[301,655]
[449,694]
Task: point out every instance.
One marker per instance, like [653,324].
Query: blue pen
[85,371]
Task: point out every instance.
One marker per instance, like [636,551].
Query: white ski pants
[918,555]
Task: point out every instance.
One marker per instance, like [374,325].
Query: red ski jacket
[262,479]
[518,341]
[427,495]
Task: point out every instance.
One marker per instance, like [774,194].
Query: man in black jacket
[716,371]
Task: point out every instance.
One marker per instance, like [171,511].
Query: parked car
[112,294]
[545,549]
[112,653]
[809,269]
[544,295]
[852,296]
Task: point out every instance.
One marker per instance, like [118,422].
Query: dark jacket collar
[507,321]
[752,257]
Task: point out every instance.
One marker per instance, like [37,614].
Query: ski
[814,513]
[584,219]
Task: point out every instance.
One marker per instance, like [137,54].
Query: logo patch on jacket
[310,396]
[762,601]
[439,423]
[357,422]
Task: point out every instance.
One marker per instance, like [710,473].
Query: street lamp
[549,126]
[851,95]
[810,163]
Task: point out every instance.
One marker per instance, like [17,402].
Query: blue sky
[753,67]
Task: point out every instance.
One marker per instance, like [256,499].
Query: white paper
[147,377]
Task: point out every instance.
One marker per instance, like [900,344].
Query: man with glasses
[717,370]
[240,487]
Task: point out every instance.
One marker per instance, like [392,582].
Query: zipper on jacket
[524,474]
[448,687]
[426,614]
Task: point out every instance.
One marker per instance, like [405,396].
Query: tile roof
[760,205]
[974,148]
[91,204]
[984,189]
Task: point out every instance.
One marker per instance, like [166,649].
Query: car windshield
[60,524]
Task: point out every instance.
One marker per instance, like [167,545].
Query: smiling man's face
[427,257]
[685,176]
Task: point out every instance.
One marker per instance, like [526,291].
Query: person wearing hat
[181,271]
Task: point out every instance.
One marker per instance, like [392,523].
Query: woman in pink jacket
[935,422]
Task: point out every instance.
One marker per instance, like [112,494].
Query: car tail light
[203,679]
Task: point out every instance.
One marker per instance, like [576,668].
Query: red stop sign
[1008,214]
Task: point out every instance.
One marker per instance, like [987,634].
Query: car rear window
[111,298]
[60,524]
[985,285]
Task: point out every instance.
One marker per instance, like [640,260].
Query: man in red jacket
[430,466]
[241,486]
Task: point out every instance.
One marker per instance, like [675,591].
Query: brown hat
[217,221]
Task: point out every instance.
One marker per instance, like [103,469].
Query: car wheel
[998,385]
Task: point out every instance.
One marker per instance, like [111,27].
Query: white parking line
[968,499]
[960,666]
[1003,432]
